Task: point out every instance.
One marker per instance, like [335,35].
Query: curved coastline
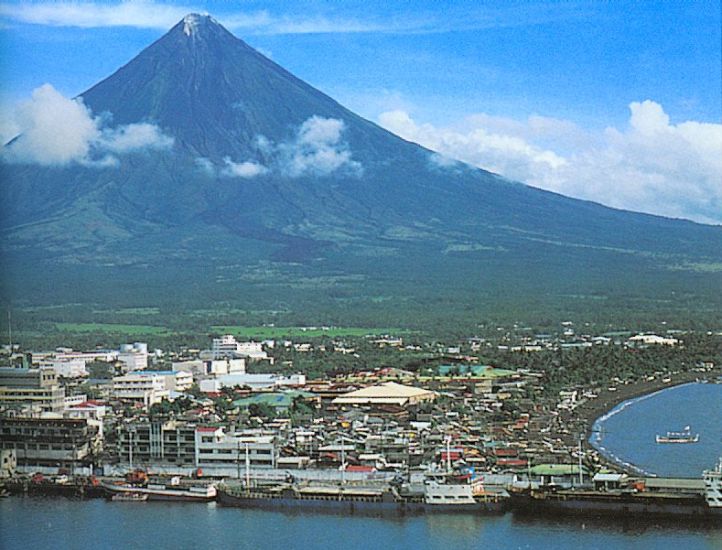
[607,404]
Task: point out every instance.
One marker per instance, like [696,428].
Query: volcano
[268,187]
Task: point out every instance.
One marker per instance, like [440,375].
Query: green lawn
[309,332]
[111,328]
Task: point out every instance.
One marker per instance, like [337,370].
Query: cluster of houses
[372,422]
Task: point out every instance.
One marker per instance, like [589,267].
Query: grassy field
[309,332]
[111,328]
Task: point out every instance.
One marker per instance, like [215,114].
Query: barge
[436,496]
[626,502]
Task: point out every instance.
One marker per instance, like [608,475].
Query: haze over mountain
[214,175]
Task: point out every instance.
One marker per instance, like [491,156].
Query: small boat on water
[685,436]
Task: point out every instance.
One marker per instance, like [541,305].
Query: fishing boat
[685,436]
[185,493]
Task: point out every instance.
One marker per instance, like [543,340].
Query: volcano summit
[216,177]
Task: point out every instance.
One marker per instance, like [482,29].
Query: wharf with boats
[608,494]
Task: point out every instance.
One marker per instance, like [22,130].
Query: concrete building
[253,381]
[49,443]
[32,389]
[66,367]
[228,346]
[217,449]
[645,340]
[150,443]
[87,409]
[175,381]
[144,387]
[134,356]
[180,446]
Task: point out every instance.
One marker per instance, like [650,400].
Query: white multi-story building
[146,387]
[215,448]
[226,365]
[228,346]
[254,381]
[177,381]
[134,356]
[65,367]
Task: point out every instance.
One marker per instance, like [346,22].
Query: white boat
[685,436]
[192,493]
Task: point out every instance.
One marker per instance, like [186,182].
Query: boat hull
[356,506]
[622,506]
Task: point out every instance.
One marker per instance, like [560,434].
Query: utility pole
[130,455]
[10,336]
[581,474]
[238,459]
[248,470]
[448,454]
[343,461]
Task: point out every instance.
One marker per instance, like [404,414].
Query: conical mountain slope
[263,166]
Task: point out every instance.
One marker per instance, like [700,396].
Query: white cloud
[162,15]
[651,166]
[246,169]
[134,136]
[317,150]
[141,14]
[53,130]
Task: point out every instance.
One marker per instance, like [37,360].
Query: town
[245,410]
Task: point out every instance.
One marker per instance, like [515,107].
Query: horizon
[647,143]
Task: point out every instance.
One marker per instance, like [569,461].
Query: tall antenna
[10,334]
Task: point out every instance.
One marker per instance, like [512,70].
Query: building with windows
[176,446]
[152,443]
[134,356]
[33,390]
[228,346]
[147,388]
[49,443]
[217,449]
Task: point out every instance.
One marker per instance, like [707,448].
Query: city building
[36,390]
[145,387]
[228,346]
[217,449]
[141,444]
[253,381]
[49,443]
[134,356]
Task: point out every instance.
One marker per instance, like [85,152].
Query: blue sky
[544,92]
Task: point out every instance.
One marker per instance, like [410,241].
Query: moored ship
[633,500]
[191,493]
[439,494]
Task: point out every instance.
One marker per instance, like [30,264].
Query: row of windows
[40,446]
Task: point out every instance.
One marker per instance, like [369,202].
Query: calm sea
[628,431]
[40,523]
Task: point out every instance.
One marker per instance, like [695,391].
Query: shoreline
[588,413]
